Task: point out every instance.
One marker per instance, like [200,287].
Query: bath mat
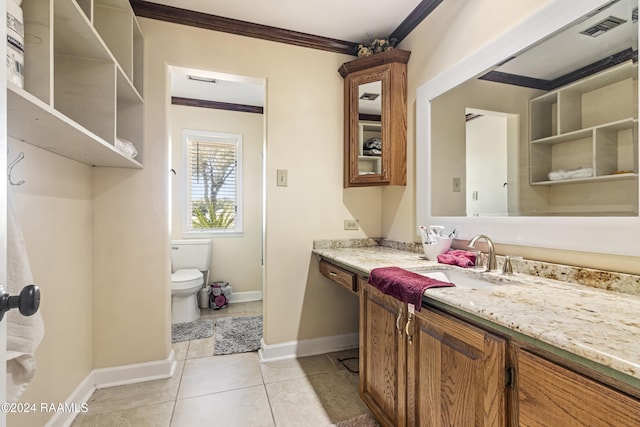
[365,420]
[237,334]
[199,329]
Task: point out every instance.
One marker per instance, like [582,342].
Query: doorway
[491,162]
[216,106]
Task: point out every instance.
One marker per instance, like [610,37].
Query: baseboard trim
[135,373]
[111,377]
[245,296]
[303,348]
[77,398]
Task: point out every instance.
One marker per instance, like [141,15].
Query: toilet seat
[187,278]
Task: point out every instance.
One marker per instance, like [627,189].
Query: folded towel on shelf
[404,285]
[373,143]
[458,257]
[126,147]
[24,334]
[580,172]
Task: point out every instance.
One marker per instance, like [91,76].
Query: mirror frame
[355,80]
[611,235]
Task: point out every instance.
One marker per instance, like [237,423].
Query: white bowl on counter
[441,245]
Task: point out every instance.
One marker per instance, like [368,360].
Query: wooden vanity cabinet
[375,106]
[383,356]
[456,373]
[551,395]
[428,369]
[431,368]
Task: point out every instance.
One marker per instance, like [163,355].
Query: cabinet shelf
[612,177]
[35,122]
[591,123]
[83,85]
[585,133]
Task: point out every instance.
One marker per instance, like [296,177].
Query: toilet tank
[194,253]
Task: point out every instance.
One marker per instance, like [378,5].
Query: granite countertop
[598,325]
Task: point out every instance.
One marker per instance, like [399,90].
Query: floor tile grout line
[273,416]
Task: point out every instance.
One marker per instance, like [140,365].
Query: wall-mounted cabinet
[375,124]
[83,81]
[587,131]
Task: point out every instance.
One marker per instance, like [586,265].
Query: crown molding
[176,15]
[201,103]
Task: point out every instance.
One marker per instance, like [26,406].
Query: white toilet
[189,260]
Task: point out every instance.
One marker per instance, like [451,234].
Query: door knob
[27,302]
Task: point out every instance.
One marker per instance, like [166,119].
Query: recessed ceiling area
[211,86]
[570,50]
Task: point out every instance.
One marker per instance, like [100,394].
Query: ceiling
[360,21]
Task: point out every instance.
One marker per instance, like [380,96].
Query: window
[213,181]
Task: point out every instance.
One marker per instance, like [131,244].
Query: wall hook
[11,166]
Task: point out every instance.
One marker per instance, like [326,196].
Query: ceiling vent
[202,79]
[603,26]
[470,116]
[367,96]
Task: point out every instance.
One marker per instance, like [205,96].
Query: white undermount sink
[473,280]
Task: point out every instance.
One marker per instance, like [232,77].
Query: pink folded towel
[404,285]
[458,257]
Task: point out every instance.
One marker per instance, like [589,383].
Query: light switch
[456,185]
[281,177]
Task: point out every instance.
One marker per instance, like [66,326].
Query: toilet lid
[186,275]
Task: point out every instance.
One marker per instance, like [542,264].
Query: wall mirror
[533,139]
[370,128]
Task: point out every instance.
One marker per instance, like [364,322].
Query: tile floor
[233,390]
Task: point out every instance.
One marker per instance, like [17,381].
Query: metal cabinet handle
[333,274]
[407,330]
[398,324]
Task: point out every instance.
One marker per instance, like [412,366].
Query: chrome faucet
[491,255]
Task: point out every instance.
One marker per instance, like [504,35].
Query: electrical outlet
[350,224]
[456,185]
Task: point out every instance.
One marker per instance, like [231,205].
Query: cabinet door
[456,373]
[367,136]
[382,356]
[550,395]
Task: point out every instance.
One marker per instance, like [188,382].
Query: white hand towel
[23,333]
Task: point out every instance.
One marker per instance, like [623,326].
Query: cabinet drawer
[340,276]
[549,394]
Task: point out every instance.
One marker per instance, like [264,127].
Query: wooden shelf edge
[601,178]
[32,121]
[394,55]
[617,125]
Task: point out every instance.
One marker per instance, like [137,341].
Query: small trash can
[203,297]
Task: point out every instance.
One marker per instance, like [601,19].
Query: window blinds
[212,165]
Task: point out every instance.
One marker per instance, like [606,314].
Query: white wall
[304,118]
[235,259]
[54,209]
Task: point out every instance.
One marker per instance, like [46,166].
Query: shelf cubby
[591,123]
[79,93]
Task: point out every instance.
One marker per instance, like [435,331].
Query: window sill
[207,234]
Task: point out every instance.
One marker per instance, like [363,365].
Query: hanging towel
[23,333]
[404,285]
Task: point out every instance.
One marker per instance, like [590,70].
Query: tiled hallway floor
[233,390]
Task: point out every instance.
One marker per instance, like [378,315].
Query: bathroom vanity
[524,350]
